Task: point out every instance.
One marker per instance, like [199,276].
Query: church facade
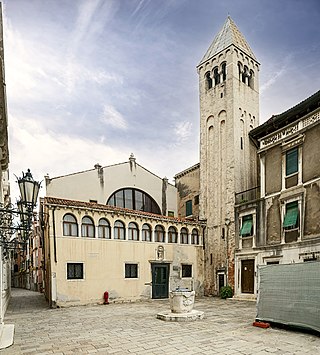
[115,229]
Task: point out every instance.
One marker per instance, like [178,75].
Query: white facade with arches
[93,247]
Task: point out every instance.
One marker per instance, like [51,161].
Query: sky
[92,81]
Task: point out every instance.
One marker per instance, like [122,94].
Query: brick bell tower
[229,109]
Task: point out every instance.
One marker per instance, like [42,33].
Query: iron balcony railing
[247,195]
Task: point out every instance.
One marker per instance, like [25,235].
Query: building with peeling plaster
[279,221]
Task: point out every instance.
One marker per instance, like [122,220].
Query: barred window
[74,271]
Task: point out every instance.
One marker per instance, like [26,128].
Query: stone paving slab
[134,329]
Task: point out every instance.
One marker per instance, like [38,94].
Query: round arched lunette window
[134,199]
[87,227]
[70,225]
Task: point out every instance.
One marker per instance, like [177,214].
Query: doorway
[160,280]
[247,276]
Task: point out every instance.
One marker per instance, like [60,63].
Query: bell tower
[229,109]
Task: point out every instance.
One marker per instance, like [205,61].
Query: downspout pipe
[54,235]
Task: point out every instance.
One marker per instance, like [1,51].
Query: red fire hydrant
[106,297]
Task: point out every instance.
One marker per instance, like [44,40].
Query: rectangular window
[291,161]
[247,226]
[131,271]
[196,200]
[189,208]
[170,214]
[74,271]
[291,218]
[186,271]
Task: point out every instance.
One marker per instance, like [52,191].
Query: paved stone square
[132,328]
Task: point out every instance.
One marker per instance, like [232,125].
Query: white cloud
[183,131]
[42,151]
[113,118]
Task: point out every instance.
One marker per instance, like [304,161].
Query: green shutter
[189,208]
[247,224]
[291,161]
[291,217]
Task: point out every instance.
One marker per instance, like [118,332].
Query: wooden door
[247,276]
[160,280]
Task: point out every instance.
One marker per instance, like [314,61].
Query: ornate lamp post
[17,221]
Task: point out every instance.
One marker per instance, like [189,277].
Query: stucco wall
[273,169]
[312,210]
[100,183]
[310,154]
[188,187]
[104,259]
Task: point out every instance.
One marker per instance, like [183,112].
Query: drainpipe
[227,223]
[54,236]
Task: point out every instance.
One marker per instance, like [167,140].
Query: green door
[160,280]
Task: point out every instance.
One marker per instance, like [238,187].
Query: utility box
[290,294]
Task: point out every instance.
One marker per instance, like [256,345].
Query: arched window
[245,75]
[133,231]
[159,235]
[87,227]
[240,70]
[119,230]
[104,229]
[195,236]
[172,235]
[134,199]
[224,71]
[208,80]
[70,225]
[251,79]
[146,233]
[184,236]
[216,76]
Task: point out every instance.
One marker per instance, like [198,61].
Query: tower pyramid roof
[228,35]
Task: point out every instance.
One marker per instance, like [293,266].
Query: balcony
[247,195]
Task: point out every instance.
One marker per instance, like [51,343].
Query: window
[146,233]
[216,76]
[159,235]
[172,235]
[208,81]
[184,236]
[133,231]
[224,71]
[135,200]
[291,161]
[104,229]
[189,208]
[291,218]
[70,225]
[194,236]
[131,271]
[74,271]
[196,200]
[119,230]
[247,226]
[186,271]
[87,227]
[170,214]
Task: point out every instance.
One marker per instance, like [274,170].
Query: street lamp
[29,190]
